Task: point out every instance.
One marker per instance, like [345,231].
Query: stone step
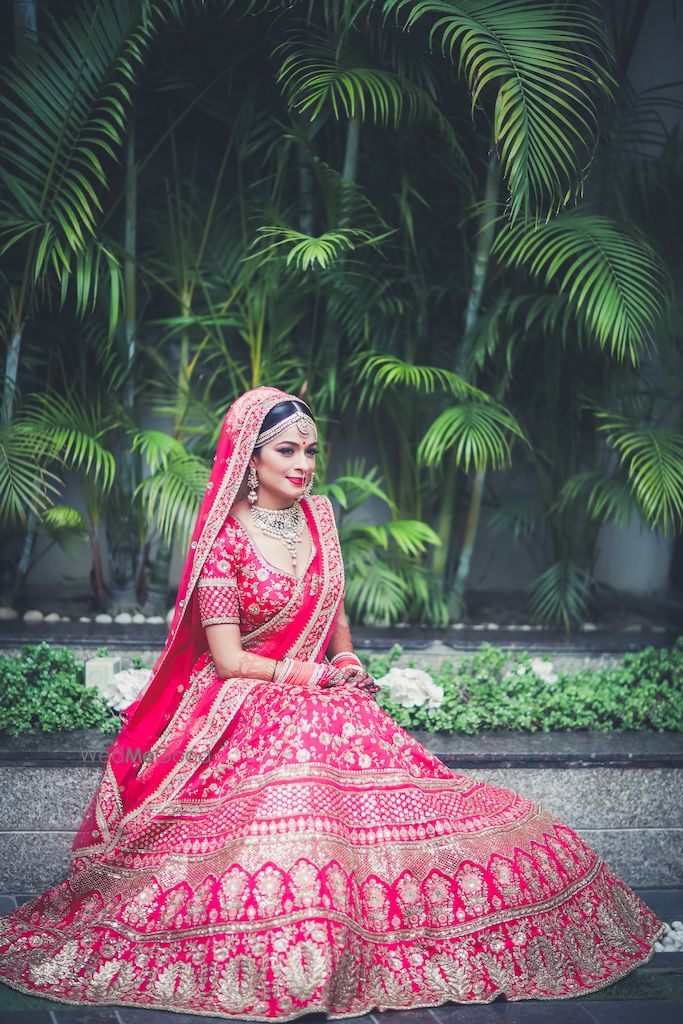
[621,791]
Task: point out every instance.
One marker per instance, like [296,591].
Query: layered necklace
[285,524]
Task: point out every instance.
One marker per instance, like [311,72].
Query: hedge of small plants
[494,689]
[43,690]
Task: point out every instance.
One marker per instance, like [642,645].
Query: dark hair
[281,411]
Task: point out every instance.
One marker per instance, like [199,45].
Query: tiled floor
[668,904]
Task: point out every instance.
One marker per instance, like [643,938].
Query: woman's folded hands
[326,675]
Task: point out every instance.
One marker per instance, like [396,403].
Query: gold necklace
[285,524]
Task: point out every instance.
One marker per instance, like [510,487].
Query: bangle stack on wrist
[342,659]
[296,673]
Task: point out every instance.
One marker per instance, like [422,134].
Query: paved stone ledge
[637,750]
[462,637]
[629,812]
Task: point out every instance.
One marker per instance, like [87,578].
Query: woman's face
[284,467]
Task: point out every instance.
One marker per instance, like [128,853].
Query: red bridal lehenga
[263,852]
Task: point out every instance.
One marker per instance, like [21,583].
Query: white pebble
[169,615]
[124,618]
[672,940]
[138,617]
[155,620]
[33,616]
[103,617]
[8,614]
[85,618]
[588,627]
[64,618]
[53,617]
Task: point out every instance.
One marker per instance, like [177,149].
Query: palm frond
[26,486]
[520,514]
[157,447]
[479,432]
[65,517]
[307,251]
[390,371]
[354,485]
[612,277]
[64,117]
[66,526]
[653,457]
[315,72]
[606,497]
[547,66]
[75,432]
[412,536]
[559,596]
[375,592]
[171,496]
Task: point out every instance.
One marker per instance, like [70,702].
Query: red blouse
[237,584]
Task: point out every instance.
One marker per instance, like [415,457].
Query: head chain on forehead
[301,420]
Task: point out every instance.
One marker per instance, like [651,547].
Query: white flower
[124,687]
[411,687]
[521,670]
[544,670]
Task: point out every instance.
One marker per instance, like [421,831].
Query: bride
[266,841]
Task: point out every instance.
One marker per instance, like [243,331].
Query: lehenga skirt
[318,858]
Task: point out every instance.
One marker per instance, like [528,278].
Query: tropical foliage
[448,225]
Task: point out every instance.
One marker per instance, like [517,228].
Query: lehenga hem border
[380,1007]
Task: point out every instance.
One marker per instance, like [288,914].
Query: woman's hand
[353,676]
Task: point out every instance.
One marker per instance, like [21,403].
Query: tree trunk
[25,37]
[306,192]
[482,259]
[25,24]
[350,169]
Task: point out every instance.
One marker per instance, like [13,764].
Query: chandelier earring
[252,482]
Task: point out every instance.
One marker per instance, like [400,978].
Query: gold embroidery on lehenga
[258,883]
[237,983]
[304,970]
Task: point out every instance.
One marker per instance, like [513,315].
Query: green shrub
[43,690]
[497,689]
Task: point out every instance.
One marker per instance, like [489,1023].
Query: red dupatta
[301,630]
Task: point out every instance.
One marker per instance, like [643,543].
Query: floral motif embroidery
[320,859]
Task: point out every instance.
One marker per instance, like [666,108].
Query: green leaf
[612,277]
[559,596]
[545,65]
[653,458]
[479,432]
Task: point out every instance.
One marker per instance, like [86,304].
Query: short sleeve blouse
[217,587]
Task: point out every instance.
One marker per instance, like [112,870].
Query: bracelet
[272,675]
[345,658]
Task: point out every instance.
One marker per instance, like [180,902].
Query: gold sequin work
[306,854]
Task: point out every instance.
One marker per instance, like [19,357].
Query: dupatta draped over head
[302,633]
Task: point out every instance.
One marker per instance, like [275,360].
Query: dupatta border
[232,478]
